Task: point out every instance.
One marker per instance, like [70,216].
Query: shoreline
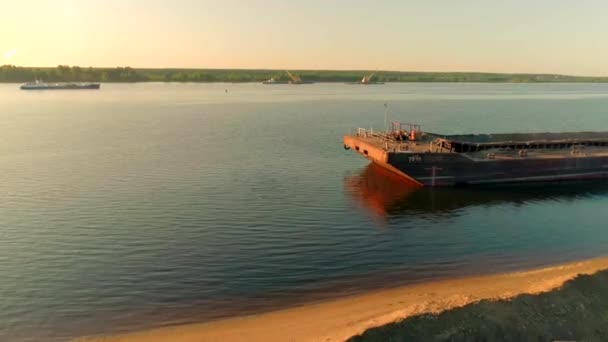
[340,319]
[317,82]
[65,73]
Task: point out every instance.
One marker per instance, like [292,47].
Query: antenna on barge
[386,126]
[386,117]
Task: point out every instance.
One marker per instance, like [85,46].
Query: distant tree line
[65,73]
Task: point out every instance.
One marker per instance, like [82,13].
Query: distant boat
[273,81]
[293,79]
[38,85]
[366,80]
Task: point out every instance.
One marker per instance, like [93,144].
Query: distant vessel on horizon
[293,79]
[38,85]
[367,79]
[272,80]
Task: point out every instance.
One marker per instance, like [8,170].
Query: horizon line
[308,69]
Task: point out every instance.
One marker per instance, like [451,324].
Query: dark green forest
[64,73]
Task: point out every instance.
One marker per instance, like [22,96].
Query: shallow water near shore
[143,205]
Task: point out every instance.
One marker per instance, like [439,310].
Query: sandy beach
[340,319]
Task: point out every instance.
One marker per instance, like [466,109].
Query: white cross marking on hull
[434,170]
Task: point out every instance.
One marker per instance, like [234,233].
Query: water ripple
[152,205]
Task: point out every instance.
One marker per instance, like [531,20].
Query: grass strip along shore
[576,312]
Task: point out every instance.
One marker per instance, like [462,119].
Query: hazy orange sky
[542,36]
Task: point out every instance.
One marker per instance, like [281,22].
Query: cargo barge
[430,159]
[58,86]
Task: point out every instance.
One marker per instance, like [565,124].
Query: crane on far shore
[367,78]
[295,79]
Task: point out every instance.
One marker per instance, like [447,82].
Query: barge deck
[429,159]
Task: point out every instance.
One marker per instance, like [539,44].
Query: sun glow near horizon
[518,36]
[10,54]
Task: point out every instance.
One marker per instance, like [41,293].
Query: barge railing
[389,140]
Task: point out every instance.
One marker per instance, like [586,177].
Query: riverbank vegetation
[64,73]
[576,312]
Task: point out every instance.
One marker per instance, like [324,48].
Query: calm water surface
[144,205]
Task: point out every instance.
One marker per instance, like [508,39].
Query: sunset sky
[542,36]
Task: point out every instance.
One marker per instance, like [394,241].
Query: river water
[143,205]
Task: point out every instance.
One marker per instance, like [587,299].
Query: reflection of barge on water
[431,159]
[384,193]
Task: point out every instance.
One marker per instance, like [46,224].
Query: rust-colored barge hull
[428,159]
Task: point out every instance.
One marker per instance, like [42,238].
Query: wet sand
[337,320]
